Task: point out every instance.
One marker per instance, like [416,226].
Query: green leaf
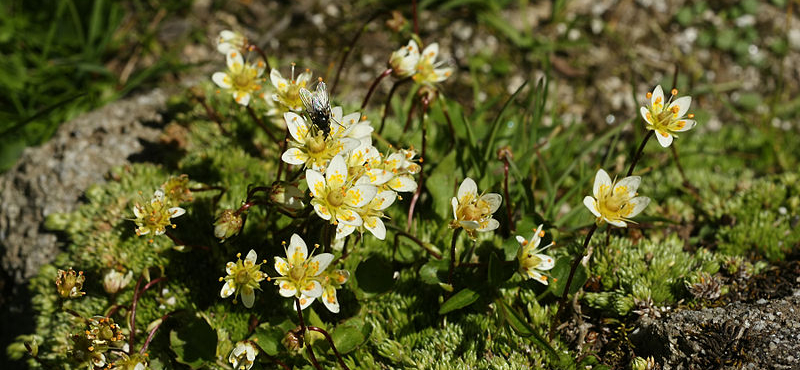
[489,149]
[351,334]
[269,338]
[518,323]
[194,343]
[429,272]
[560,274]
[374,275]
[463,298]
[496,271]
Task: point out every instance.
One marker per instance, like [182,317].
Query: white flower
[428,71]
[403,61]
[155,216]
[243,356]
[531,262]
[615,202]
[667,117]
[230,41]
[243,278]
[300,275]
[473,212]
[313,151]
[336,198]
[287,92]
[371,215]
[241,79]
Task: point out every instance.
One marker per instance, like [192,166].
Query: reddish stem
[330,340]
[388,104]
[261,124]
[153,331]
[400,233]
[303,329]
[509,212]
[452,256]
[414,13]
[563,301]
[415,197]
[263,56]
[374,85]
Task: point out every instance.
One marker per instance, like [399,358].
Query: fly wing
[308,99]
[322,96]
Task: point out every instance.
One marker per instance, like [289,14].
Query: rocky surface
[761,335]
[51,178]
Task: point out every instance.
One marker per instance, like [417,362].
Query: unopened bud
[228,224]
[287,196]
[292,340]
[114,281]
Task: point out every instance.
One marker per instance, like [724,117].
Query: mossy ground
[730,221]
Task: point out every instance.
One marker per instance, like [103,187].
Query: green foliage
[646,274]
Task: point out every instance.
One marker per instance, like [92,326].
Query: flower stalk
[563,301]
[374,85]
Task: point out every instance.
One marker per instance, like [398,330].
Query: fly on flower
[318,107]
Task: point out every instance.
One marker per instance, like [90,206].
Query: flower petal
[336,173]
[329,300]
[683,125]
[243,98]
[431,51]
[229,267]
[618,223]
[297,126]
[628,185]
[227,290]
[383,200]
[602,183]
[287,289]
[311,289]
[375,226]
[251,257]
[316,183]
[248,296]
[546,263]
[454,203]
[281,266]
[664,138]
[322,210]
[234,59]
[639,204]
[297,252]
[306,301]
[222,80]
[493,200]
[683,104]
[294,156]
[360,195]
[277,80]
[658,96]
[489,225]
[403,184]
[468,191]
[349,217]
[645,113]
[319,263]
[591,204]
[176,212]
[343,230]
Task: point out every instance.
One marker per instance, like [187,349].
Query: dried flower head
[176,190]
[227,224]
[69,283]
[114,281]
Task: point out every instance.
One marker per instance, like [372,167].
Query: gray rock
[761,335]
[51,178]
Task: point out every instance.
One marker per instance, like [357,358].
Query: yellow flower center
[316,144]
[242,277]
[471,212]
[297,273]
[335,198]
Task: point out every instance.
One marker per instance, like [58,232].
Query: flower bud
[287,196]
[69,283]
[228,224]
[114,281]
[177,191]
[292,340]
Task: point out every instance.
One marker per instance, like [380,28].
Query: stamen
[674,92]
[649,95]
